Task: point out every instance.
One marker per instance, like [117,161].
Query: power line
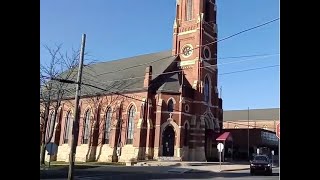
[252,69]
[199,47]
[134,66]
[255,27]
[249,69]
[245,70]
[176,71]
[258,56]
[253,55]
[228,37]
[116,93]
[232,57]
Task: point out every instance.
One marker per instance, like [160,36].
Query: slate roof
[130,79]
[254,114]
[172,83]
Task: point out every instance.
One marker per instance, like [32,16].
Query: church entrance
[168,138]
[208,145]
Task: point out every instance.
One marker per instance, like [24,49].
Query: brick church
[152,106]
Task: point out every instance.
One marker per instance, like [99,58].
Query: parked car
[261,163]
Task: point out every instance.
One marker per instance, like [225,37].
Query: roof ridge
[129,57]
[252,109]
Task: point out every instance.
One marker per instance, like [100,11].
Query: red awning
[225,136]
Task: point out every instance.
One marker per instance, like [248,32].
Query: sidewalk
[155,167]
[164,167]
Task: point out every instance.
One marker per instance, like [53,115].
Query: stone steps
[164,158]
[161,161]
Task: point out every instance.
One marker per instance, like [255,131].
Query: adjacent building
[253,118]
[251,129]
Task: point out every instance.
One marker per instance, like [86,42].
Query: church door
[168,141]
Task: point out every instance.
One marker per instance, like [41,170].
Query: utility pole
[75,128]
[248,137]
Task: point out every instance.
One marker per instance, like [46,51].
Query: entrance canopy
[226,136]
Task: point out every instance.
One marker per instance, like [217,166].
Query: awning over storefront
[226,136]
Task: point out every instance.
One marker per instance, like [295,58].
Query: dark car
[261,163]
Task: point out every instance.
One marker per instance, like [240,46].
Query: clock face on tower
[187,51]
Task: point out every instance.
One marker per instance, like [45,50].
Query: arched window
[170,105]
[186,135]
[206,89]
[49,126]
[107,126]
[86,127]
[67,127]
[189,10]
[131,115]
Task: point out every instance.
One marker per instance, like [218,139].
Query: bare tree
[53,93]
[60,65]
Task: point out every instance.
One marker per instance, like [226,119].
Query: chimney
[147,77]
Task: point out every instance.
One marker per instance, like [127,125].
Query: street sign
[118,151]
[52,148]
[278,130]
[220,147]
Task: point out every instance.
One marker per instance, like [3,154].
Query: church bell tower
[194,41]
[194,36]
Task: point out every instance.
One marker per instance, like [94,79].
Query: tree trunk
[43,140]
[43,153]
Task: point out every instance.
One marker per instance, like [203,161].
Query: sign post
[50,155]
[220,147]
[272,153]
[52,150]
[278,130]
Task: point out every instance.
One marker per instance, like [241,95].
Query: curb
[239,169]
[95,165]
[159,164]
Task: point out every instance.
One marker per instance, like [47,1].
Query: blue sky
[117,29]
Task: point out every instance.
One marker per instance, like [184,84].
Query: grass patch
[65,167]
[62,163]
[83,167]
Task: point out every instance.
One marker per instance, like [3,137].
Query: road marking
[89,177]
[93,177]
[178,170]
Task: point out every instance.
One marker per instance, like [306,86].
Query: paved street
[167,173]
[245,174]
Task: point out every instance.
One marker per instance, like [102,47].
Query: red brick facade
[194,119]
